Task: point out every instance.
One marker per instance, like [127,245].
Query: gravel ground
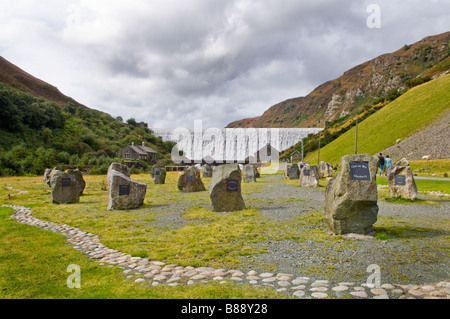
[402,260]
[409,258]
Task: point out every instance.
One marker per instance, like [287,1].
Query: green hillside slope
[410,113]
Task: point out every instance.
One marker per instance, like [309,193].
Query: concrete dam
[231,145]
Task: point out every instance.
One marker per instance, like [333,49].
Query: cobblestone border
[140,269]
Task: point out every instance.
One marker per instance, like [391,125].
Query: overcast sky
[170,62]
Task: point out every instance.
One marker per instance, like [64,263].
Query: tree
[132,122]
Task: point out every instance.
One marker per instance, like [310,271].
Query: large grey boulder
[158,174]
[65,190]
[190,181]
[309,177]
[76,174]
[249,174]
[207,170]
[225,189]
[123,192]
[325,169]
[47,176]
[401,180]
[351,196]
[292,171]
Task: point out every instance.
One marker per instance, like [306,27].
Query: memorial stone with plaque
[65,190]
[325,170]
[207,171]
[159,175]
[351,196]
[249,174]
[225,189]
[292,171]
[123,192]
[309,177]
[401,181]
[190,181]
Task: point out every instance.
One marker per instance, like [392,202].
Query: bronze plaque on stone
[400,180]
[307,172]
[65,182]
[232,185]
[189,178]
[124,190]
[359,171]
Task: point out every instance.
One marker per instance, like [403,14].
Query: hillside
[360,87]
[40,127]
[409,116]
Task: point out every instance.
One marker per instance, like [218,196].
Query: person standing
[388,163]
[380,163]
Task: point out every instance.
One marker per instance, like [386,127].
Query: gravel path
[406,258]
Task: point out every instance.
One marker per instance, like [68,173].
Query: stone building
[139,152]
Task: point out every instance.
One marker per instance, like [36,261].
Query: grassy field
[438,168]
[408,114]
[34,261]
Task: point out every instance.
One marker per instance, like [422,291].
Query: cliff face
[360,86]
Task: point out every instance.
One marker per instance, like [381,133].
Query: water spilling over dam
[231,144]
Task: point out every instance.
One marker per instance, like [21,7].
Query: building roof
[142,149]
[295,152]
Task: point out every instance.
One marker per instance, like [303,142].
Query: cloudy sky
[170,62]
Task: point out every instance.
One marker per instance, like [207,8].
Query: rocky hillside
[362,86]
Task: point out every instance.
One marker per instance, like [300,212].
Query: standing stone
[190,181]
[325,169]
[75,174]
[249,174]
[401,181]
[158,174]
[351,196]
[292,171]
[207,170]
[124,193]
[65,190]
[309,176]
[225,189]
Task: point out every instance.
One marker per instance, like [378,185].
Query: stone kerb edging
[143,270]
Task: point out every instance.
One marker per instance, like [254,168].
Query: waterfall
[232,144]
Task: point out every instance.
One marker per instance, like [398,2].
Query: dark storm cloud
[171,62]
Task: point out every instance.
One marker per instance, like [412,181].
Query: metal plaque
[359,171]
[189,178]
[400,180]
[124,190]
[307,172]
[248,168]
[157,173]
[232,185]
[65,182]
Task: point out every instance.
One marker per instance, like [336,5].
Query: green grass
[440,168]
[408,114]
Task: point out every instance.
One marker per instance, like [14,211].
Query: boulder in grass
[190,181]
[65,190]
[207,170]
[249,174]
[159,175]
[325,169]
[351,196]
[123,192]
[225,189]
[401,181]
[292,171]
[309,177]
